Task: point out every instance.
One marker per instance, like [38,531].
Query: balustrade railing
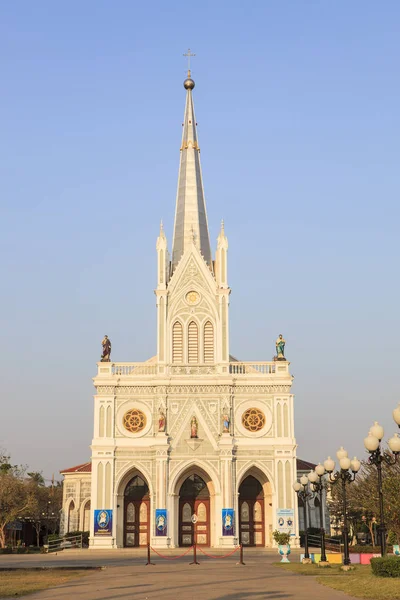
[245,368]
[144,369]
[134,369]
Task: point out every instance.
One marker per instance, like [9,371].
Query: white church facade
[191,446]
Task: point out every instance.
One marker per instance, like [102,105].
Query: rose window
[253,419]
[134,420]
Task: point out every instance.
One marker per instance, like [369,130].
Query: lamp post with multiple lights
[377,457]
[347,474]
[301,489]
[315,478]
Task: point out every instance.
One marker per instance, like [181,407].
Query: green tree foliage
[363,499]
[24,496]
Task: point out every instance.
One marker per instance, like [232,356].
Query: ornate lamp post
[315,478]
[347,474]
[301,489]
[376,457]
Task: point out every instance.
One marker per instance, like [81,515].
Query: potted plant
[282,539]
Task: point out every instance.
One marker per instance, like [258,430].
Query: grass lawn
[360,583]
[18,583]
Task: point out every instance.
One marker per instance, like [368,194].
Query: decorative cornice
[126,390]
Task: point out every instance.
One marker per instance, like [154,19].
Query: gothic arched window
[193,343]
[208,342]
[177,343]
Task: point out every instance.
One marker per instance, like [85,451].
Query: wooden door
[251,522]
[136,522]
[198,531]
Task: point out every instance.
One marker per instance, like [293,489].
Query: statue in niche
[193,427]
[161,421]
[226,422]
[280,348]
[106,343]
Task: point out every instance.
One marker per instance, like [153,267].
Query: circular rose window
[192,297]
[134,420]
[253,419]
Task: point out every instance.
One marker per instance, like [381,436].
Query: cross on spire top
[189,54]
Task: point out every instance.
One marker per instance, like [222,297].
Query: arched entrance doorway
[194,512]
[136,512]
[251,512]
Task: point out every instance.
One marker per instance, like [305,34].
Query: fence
[194,548]
[71,541]
[331,545]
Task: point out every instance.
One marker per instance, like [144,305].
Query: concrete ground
[126,577]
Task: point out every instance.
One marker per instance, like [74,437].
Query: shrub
[281,538]
[7,550]
[388,566]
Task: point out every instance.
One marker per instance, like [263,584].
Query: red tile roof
[84,468]
[304,465]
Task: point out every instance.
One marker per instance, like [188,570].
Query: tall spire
[190,214]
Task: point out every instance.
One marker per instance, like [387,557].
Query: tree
[16,497]
[37,478]
[363,498]
[45,511]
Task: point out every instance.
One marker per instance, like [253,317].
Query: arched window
[71,523]
[86,516]
[208,342]
[177,343]
[193,343]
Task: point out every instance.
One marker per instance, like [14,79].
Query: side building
[191,446]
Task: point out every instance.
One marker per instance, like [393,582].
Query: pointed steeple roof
[190,213]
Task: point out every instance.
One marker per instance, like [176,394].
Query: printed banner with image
[285,520]
[161,521]
[103,522]
[228,521]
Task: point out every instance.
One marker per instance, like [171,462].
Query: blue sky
[297,105]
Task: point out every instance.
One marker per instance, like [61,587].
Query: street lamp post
[377,457]
[347,474]
[46,516]
[300,487]
[315,478]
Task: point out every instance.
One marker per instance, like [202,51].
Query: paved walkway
[177,580]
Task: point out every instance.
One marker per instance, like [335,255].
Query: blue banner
[103,522]
[228,521]
[161,521]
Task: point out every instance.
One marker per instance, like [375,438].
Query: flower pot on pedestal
[284,551]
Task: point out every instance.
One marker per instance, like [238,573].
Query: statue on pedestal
[225,423]
[105,357]
[193,427]
[280,348]
[161,421]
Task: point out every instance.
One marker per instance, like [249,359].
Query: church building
[193,445]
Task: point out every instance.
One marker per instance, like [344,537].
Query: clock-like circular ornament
[193,298]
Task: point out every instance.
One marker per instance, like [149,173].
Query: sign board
[103,522]
[285,520]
